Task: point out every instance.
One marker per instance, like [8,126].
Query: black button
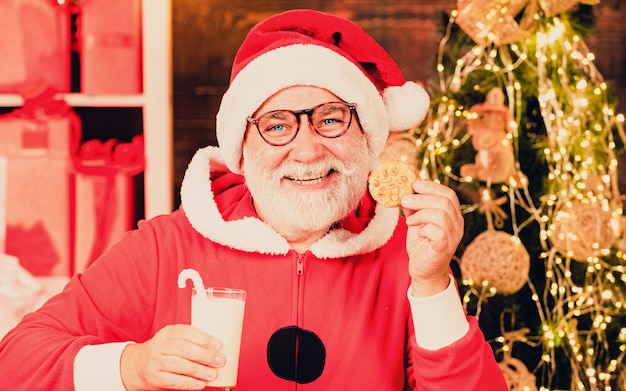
[296,354]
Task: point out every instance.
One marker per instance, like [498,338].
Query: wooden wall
[207,33]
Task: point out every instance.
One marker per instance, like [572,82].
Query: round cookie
[391,181]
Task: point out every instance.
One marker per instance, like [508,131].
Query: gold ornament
[496,21]
[517,376]
[489,125]
[497,259]
[581,230]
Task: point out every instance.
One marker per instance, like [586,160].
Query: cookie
[391,181]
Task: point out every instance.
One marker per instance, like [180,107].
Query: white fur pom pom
[406,105]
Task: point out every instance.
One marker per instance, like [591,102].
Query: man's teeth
[309,181]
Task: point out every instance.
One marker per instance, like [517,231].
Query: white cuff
[97,367]
[439,320]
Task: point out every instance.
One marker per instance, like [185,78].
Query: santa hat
[311,48]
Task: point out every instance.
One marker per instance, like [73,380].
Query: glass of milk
[219,312]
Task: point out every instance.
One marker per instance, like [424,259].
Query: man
[342,293]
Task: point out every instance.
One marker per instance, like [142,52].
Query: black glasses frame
[298,114]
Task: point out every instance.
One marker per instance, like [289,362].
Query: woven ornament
[517,376]
[498,259]
[400,146]
[581,230]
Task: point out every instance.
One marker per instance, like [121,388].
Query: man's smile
[310,179]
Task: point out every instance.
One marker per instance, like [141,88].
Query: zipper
[298,302]
[298,289]
[299,264]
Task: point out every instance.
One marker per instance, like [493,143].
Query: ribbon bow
[491,208]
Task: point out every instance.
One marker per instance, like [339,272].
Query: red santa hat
[311,48]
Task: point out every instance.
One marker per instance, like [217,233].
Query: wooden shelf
[82,100]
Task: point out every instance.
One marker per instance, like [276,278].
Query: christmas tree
[523,127]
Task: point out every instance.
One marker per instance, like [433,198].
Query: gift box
[36,143]
[34,44]
[110,50]
[105,195]
[38,228]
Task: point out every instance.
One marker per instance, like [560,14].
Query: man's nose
[307,145]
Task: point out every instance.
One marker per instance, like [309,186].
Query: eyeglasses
[280,127]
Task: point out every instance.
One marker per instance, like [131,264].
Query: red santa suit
[334,318]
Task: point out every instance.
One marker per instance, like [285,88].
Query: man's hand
[177,357]
[435,228]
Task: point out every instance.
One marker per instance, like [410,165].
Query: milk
[219,312]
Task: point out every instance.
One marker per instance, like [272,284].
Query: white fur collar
[253,235]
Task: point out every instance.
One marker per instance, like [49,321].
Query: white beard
[292,211]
